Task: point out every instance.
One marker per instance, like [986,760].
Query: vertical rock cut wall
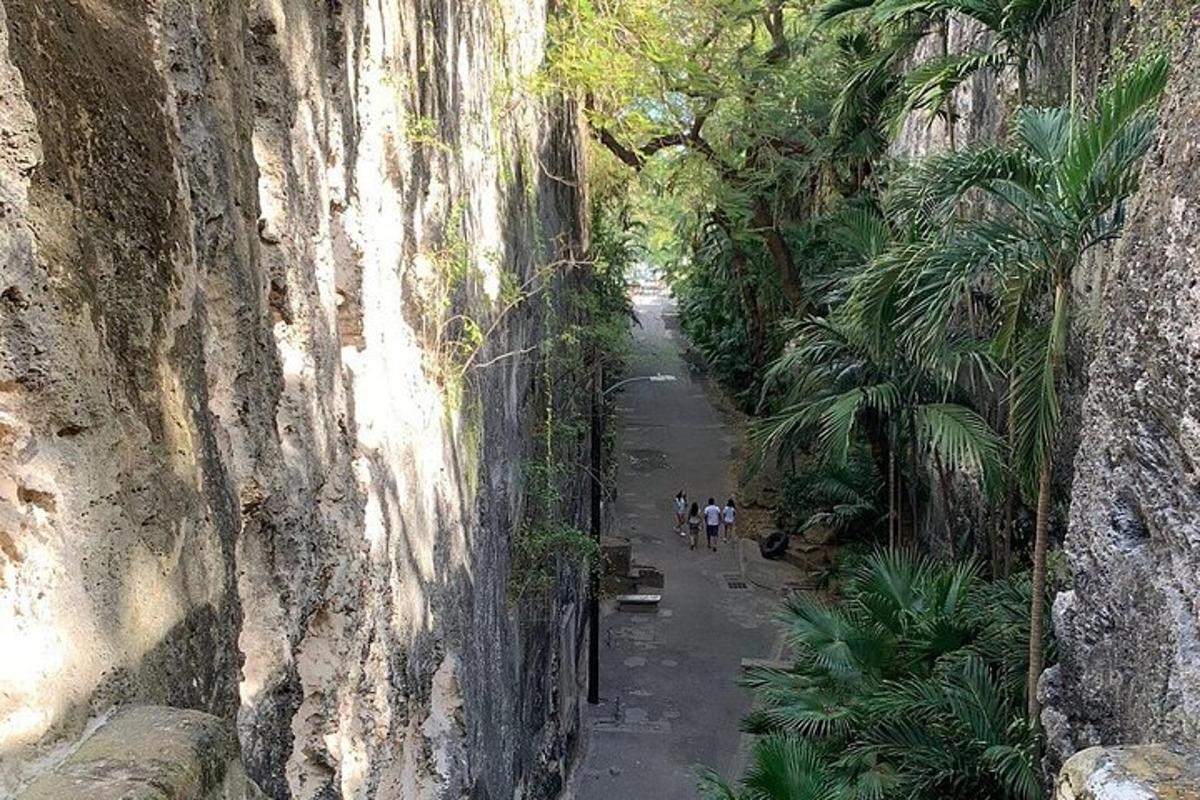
[236,472]
[1129,630]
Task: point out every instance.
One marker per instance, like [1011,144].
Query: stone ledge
[1136,772]
[152,753]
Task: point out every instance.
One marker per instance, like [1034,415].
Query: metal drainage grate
[734,582]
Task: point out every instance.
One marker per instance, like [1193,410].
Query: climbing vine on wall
[587,319]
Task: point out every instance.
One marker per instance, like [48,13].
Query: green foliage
[546,545]
[895,325]
[587,319]
[845,498]
[852,388]
[911,686]
[1057,189]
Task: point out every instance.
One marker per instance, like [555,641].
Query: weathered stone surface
[1146,772]
[1129,642]
[152,753]
[236,471]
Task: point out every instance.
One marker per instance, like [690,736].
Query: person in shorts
[729,519]
[693,524]
[712,523]
[680,512]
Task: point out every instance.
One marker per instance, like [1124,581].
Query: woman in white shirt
[680,511]
[729,517]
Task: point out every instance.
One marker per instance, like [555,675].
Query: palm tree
[850,379]
[1057,189]
[841,498]
[1011,32]
[781,767]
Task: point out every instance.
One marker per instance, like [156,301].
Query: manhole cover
[734,582]
[630,726]
[645,459]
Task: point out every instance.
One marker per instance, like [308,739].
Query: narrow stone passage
[669,697]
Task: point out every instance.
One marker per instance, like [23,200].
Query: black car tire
[773,545]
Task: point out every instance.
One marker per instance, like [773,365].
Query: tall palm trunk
[1004,565]
[951,501]
[1037,608]
[1022,79]
[1041,535]
[948,109]
[893,525]
[914,461]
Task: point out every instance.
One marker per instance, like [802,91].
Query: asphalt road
[669,698]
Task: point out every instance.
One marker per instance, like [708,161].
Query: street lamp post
[598,394]
[594,589]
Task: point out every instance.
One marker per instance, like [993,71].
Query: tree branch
[636,157]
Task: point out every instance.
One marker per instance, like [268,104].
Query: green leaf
[963,440]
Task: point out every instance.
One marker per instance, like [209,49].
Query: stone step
[647,578]
[639,603]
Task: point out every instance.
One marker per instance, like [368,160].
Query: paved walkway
[669,697]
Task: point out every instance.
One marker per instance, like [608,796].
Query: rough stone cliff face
[1129,630]
[240,241]
[1129,627]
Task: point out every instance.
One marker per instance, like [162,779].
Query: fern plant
[903,689]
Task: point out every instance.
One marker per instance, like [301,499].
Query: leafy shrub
[912,686]
[845,498]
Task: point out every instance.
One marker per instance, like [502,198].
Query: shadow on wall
[205,409]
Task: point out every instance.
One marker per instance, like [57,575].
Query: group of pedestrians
[717,521]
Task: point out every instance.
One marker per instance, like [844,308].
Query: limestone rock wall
[1129,630]
[151,753]
[241,444]
[1128,626]
[1077,55]
[1145,772]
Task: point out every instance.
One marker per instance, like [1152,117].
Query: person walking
[712,523]
[693,524]
[680,512]
[729,518]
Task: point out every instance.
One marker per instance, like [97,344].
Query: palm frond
[785,767]
[926,193]
[930,86]
[832,9]
[713,787]
[963,440]
[1044,131]
[1127,100]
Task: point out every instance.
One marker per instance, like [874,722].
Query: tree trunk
[893,527]
[1037,610]
[781,256]
[1022,80]
[948,111]
[756,325]
[948,494]
[1010,499]
[914,461]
